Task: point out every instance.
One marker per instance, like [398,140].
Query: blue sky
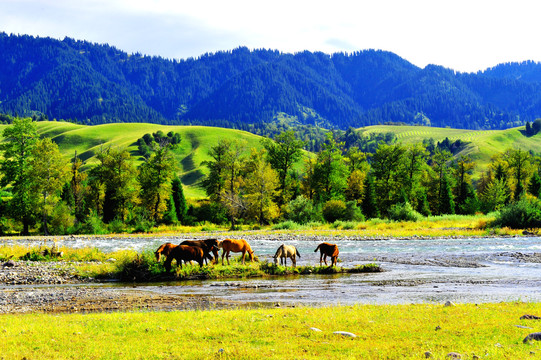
[465,35]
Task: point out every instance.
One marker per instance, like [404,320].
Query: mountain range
[97,83]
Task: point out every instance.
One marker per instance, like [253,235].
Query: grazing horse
[164,249]
[284,252]
[235,245]
[327,250]
[186,253]
[208,246]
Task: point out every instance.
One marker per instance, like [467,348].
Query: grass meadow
[484,331]
[197,140]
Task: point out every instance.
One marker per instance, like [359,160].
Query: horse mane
[279,251]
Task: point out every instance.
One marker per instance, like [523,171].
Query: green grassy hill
[193,149]
[482,145]
[197,140]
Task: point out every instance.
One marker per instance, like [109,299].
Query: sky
[463,35]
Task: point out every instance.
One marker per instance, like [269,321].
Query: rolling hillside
[193,149]
[197,140]
[482,144]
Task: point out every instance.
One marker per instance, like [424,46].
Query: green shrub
[353,212]
[334,210]
[94,225]
[403,212]
[117,226]
[286,225]
[300,210]
[61,219]
[523,214]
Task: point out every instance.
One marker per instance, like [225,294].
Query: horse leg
[325,259]
[320,258]
[223,253]
[227,257]
[294,260]
[243,255]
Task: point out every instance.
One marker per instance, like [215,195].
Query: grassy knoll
[485,331]
[194,147]
[483,144]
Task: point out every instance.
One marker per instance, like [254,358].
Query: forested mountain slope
[97,84]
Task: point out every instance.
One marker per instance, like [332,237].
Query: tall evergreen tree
[534,186]
[15,165]
[446,203]
[370,205]
[181,207]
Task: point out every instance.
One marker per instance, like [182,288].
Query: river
[462,270]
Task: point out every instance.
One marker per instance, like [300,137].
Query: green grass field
[483,144]
[194,148]
[197,140]
[484,331]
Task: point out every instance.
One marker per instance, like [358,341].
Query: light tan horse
[284,252]
[235,245]
[328,250]
[164,249]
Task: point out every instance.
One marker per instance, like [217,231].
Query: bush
[208,211]
[117,226]
[94,226]
[523,214]
[300,210]
[353,212]
[334,210]
[61,220]
[286,225]
[404,212]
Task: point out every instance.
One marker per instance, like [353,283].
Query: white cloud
[461,34]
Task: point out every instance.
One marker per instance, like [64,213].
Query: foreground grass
[487,331]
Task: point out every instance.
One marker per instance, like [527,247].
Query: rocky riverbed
[429,270]
[27,286]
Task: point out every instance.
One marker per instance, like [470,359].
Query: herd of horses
[203,251]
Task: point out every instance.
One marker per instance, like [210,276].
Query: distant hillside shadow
[193,177]
[86,155]
[187,163]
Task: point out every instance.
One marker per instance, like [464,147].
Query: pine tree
[181,206]
[446,203]
[534,186]
[170,215]
[369,205]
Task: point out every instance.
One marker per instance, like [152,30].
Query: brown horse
[284,252]
[165,250]
[186,253]
[327,250]
[235,245]
[208,246]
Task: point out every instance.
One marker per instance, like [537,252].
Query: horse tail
[297,251]
[317,248]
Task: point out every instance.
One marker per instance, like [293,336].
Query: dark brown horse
[184,253]
[235,245]
[208,246]
[327,250]
[165,250]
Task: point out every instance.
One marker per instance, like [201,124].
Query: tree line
[278,182]
[42,188]
[398,182]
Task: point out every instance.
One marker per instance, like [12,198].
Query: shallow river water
[415,271]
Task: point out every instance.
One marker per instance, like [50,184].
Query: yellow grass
[485,331]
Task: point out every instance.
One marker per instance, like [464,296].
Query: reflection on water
[416,271]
